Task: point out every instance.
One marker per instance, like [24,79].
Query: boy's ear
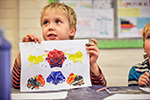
[73,31]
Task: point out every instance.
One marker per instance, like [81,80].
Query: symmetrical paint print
[51,66]
[55,58]
[56,77]
[75,80]
[36,82]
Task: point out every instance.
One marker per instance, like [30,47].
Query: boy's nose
[51,27]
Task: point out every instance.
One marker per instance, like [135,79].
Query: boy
[58,22]
[139,74]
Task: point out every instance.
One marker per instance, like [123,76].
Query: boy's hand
[93,51]
[31,38]
[144,80]
[27,38]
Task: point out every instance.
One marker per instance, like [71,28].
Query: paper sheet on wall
[54,65]
[94,4]
[94,18]
[95,23]
[133,15]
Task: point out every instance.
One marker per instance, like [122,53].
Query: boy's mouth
[52,36]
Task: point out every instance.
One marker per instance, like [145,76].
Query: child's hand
[144,80]
[27,38]
[31,38]
[93,51]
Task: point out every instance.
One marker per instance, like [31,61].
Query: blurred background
[20,17]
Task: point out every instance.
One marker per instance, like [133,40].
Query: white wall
[8,21]
[20,17]
[29,17]
[116,63]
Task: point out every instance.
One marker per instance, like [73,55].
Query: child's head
[146,39]
[60,17]
[145,30]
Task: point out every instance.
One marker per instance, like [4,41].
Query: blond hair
[145,30]
[68,11]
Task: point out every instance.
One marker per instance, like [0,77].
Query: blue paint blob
[56,77]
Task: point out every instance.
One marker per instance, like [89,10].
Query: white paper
[35,65]
[95,23]
[95,4]
[94,18]
[133,15]
[37,96]
[128,97]
[147,89]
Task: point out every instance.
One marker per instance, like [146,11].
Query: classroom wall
[20,17]
[115,64]
[8,21]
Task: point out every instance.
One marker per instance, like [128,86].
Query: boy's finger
[25,39]
[30,36]
[89,44]
[146,74]
[95,41]
[145,79]
[39,40]
[36,38]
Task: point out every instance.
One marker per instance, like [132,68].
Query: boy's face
[55,26]
[146,44]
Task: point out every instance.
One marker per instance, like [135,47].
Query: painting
[54,65]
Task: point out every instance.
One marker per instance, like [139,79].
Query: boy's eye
[148,37]
[45,22]
[57,21]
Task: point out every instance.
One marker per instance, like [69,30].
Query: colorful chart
[126,25]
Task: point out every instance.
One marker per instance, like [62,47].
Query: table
[89,93]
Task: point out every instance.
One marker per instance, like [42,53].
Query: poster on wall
[54,65]
[94,18]
[132,17]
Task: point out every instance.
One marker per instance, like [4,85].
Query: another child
[58,22]
[139,74]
